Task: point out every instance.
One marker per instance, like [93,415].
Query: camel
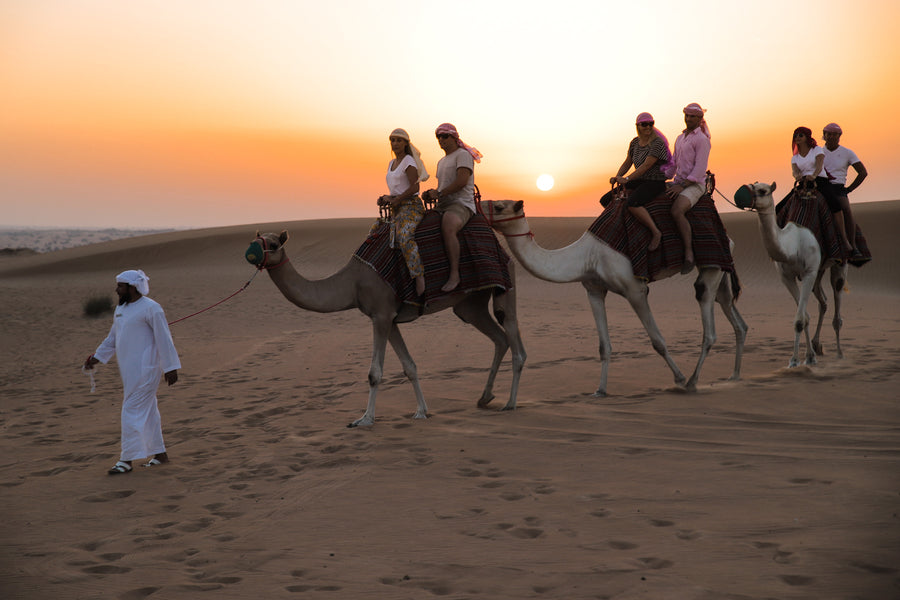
[357,285]
[600,269]
[797,257]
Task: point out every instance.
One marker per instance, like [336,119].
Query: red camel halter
[491,219]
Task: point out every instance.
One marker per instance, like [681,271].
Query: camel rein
[262,267]
[242,288]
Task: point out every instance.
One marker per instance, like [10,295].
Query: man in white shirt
[838,159]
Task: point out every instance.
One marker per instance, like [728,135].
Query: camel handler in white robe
[141,340]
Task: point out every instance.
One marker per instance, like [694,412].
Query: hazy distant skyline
[206,113]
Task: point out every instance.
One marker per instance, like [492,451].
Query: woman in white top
[404,173]
[808,165]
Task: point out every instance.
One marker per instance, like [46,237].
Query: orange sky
[216,113]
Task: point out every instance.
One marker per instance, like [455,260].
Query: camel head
[506,216]
[267,250]
[754,196]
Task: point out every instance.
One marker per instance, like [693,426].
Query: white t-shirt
[837,162]
[807,164]
[446,174]
[397,181]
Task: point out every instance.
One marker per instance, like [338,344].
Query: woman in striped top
[649,154]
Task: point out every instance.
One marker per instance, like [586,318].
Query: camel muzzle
[255,254]
[744,198]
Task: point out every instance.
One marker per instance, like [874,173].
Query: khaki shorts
[463,212]
[693,192]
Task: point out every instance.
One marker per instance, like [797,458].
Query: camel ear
[283,237]
[519,206]
[257,233]
[773,187]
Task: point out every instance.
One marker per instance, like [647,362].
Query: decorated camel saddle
[618,228]
[808,208]
[483,264]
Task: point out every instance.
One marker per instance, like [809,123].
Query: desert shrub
[97,306]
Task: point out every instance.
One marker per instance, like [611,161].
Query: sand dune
[781,485]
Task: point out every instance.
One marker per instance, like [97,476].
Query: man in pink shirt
[691,158]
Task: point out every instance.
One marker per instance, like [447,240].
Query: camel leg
[801,319]
[381,331]
[641,307]
[505,313]
[409,369]
[725,298]
[838,280]
[823,308]
[597,299]
[706,288]
[474,311]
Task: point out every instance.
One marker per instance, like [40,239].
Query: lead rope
[90,372]
[244,287]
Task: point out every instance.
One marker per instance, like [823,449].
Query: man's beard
[123,300]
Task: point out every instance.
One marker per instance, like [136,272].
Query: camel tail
[735,285]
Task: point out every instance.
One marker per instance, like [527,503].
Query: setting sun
[545,182]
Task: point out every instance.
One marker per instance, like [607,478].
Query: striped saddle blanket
[810,210]
[622,232]
[482,263]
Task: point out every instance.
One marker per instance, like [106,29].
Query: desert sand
[785,484]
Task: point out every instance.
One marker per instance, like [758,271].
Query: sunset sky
[201,113]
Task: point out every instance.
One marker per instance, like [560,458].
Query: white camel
[797,257]
[600,269]
[357,285]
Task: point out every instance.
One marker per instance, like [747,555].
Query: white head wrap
[417,156]
[137,278]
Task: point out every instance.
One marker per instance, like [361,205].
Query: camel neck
[332,294]
[771,233]
[560,266]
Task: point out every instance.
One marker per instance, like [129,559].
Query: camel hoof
[599,394]
[508,407]
[484,401]
[420,416]
[364,422]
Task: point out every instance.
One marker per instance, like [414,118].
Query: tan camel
[600,269]
[358,286]
[797,257]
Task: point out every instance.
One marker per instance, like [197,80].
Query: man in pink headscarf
[140,339]
[691,158]
[838,159]
[455,194]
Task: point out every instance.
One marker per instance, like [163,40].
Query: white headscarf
[417,156]
[137,278]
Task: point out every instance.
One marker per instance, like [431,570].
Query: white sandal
[119,468]
[152,462]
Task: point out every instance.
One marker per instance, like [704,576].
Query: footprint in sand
[796,580]
[139,593]
[107,496]
[105,570]
[620,545]
[687,534]
[657,563]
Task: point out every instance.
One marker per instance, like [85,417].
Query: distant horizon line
[170,228]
